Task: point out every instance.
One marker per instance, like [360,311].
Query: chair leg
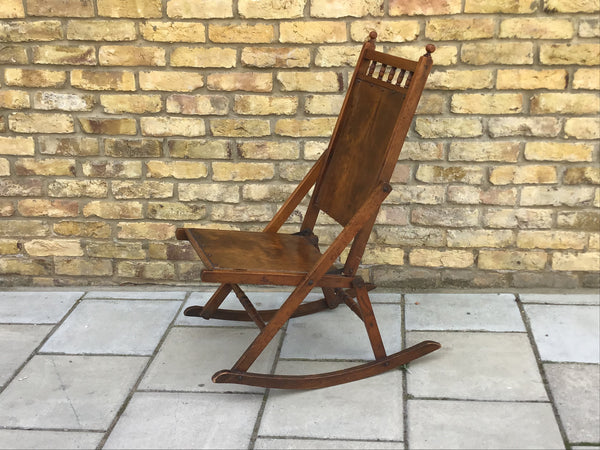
[249,307]
[212,305]
[369,320]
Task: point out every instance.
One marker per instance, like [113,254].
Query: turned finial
[430,49]
[373,36]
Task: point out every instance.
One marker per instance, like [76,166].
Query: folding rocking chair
[351,180]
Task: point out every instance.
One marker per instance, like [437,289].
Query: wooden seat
[350,181]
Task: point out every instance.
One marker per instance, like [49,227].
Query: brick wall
[123,119]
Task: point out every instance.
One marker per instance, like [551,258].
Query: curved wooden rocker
[351,180]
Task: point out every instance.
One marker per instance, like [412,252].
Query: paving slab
[42,439]
[190,356]
[137,295]
[36,307]
[483,312]
[316,444]
[566,333]
[476,366]
[113,327]
[369,409]
[576,391]
[445,424]
[186,420]
[339,334]
[69,392]
[17,343]
[561,299]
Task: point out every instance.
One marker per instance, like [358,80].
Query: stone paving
[125,369]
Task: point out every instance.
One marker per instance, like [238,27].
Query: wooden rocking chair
[351,181]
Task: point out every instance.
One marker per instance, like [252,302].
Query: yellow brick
[145,230]
[170,81]
[484,151]
[558,151]
[382,255]
[429,8]
[523,175]
[10,99]
[352,8]
[244,33]
[584,262]
[582,175]
[193,9]
[387,31]
[452,174]
[198,104]
[497,53]
[532,79]
[113,210]
[261,105]
[173,31]
[271,9]
[136,104]
[63,54]
[561,54]
[21,146]
[199,148]
[460,80]
[25,268]
[127,148]
[336,56]
[480,238]
[130,250]
[316,127]
[589,28]
[78,188]
[551,239]
[9,247]
[268,150]
[172,126]
[310,81]
[112,169]
[276,57]
[583,127]
[445,55]
[40,123]
[459,29]
[101,30]
[446,258]
[103,80]
[241,213]
[511,260]
[311,33]
[12,9]
[98,230]
[55,247]
[153,270]
[26,227]
[129,55]
[14,54]
[571,6]
[243,81]
[34,77]
[487,103]
[565,103]
[46,167]
[213,192]
[587,79]
[448,127]
[177,169]
[240,127]
[523,126]
[501,6]
[39,30]
[143,189]
[83,267]
[63,101]
[536,28]
[556,196]
[4,167]
[50,208]
[323,104]
[60,8]
[176,211]
[228,171]
[130,8]
[108,126]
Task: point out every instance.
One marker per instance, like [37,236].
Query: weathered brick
[60,8]
[116,250]
[558,151]
[579,220]
[336,56]
[13,54]
[571,6]
[101,30]
[382,255]
[589,28]
[441,258]
[293,171]
[173,31]
[50,208]
[471,195]
[246,33]
[260,105]
[267,192]
[431,104]
[310,33]
[145,230]
[582,175]
[310,81]
[460,80]
[78,188]
[275,57]
[561,54]
[141,189]
[429,8]
[323,104]
[536,28]
[112,169]
[34,77]
[239,213]
[392,215]
[23,228]
[352,8]
[198,104]
[21,146]
[448,127]
[41,123]
[445,55]
[586,79]
[483,53]
[103,80]
[524,126]
[83,267]
[192,9]
[240,127]
[176,169]
[40,30]
[81,55]
[401,173]
[526,174]
[511,260]
[54,247]
[583,127]
[9,247]
[445,217]
[113,210]
[271,9]
[387,31]
[172,126]
[268,150]
[565,103]
[416,194]
[532,79]
[451,174]
[214,192]
[583,261]
[130,103]
[4,167]
[179,81]
[252,82]
[108,126]
[129,55]
[68,146]
[409,236]
[12,9]
[551,239]
[229,171]
[462,29]
[18,266]
[556,196]
[46,167]
[130,8]
[480,238]
[176,211]
[486,103]
[321,126]
[501,6]
[63,101]
[484,151]
[152,270]
[203,57]
[91,229]
[203,149]
[594,241]
[132,148]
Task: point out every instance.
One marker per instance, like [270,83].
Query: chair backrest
[375,117]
